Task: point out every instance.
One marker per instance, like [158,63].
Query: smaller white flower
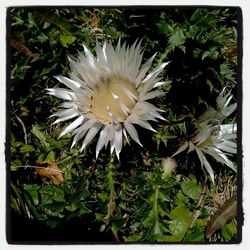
[213,138]
[169,164]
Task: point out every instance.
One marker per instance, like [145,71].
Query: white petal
[156,71]
[209,169]
[118,142]
[205,163]
[182,148]
[61,93]
[112,116]
[129,94]
[144,69]
[88,54]
[157,115]
[200,155]
[101,141]
[72,126]
[65,118]
[67,105]
[227,148]
[133,118]
[151,95]
[158,84]
[132,132]
[125,135]
[78,136]
[90,135]
[120,103]
[65,112]
[83,130]
[230,109]
[110,134]
[68,82]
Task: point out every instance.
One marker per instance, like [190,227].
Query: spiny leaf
[179,224]
[191,188]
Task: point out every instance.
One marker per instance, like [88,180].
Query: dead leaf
[226,212]
[94,21]
[18,45]
[50,170]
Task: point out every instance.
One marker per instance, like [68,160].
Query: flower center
[113,100]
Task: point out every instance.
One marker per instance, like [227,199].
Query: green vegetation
[133,199]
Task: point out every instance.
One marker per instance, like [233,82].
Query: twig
[22,48]
[24,129]
[47,168]
[115,234]
[200,204]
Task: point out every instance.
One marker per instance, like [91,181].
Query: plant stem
[112,196]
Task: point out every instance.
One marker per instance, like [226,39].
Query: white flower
[108,94]
[212,137]
[169,164]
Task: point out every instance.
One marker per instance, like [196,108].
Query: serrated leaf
[191,188]
[179,224]
[51,193]
[36,130]
[178,38]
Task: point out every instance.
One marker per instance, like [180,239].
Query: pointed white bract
[108,94]
[212,137]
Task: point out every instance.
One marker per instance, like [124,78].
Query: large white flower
[212,137]
[108,94]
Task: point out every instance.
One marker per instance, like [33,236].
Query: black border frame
[240,212]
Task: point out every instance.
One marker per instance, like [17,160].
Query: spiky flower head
[108,93]
[212,137]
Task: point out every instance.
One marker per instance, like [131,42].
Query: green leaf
[15,165]
[197,15]
[54,209]
[229,230]
[51,193]
[67,40]
[32,189]
[118,224]
[132,238]
[196,235]
[191,188]
[73,206]
[177,39]
[36,130]
[51,156]
[181,199]
[26,149]
[179,224]
[205,54]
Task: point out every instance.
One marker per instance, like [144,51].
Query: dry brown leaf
[50,170]
[95,21]
[227,212]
